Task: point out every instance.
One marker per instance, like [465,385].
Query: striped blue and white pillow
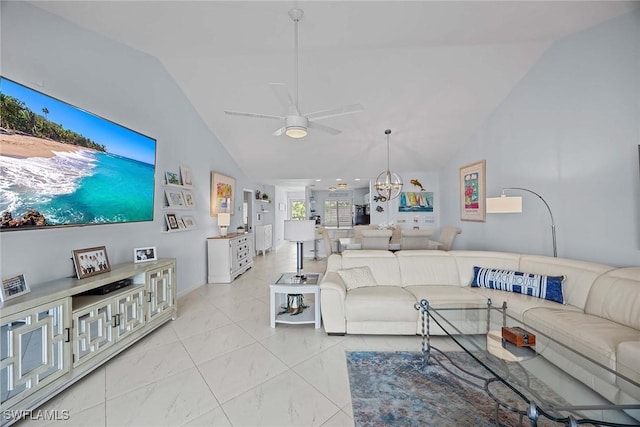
[537,285]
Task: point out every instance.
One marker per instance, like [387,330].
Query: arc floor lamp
[506,204]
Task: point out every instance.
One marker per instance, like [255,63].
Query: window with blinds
[337,213]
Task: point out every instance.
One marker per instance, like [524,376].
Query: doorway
[247,209]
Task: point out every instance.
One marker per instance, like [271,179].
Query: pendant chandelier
[388,184]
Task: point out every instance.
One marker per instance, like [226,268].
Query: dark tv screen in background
[69,167]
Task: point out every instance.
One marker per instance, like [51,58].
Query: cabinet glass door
[130,308]
[35,350]
[93,331]
[160,291]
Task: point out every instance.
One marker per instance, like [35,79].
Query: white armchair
[376,239]
[417,239]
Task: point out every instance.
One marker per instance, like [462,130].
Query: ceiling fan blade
[283,95]
[324,128]
[258,116]
[280,131]
[348,109]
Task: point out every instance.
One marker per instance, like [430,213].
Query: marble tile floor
[221,364]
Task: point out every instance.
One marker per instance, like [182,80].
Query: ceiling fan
[295,123]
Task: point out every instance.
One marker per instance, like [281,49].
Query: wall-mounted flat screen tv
[62,166]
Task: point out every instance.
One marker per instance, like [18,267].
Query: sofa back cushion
[579,275]
[615,296]
[466,260]
[383,265]
[426,267]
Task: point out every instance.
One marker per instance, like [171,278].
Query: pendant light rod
[296,16]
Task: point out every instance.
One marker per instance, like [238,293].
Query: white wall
[570,131]
[128,87]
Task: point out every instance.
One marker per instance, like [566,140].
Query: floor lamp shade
[299,231]
[504,204]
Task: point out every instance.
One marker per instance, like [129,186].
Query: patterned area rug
[392,389]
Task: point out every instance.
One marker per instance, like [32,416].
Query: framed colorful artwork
[472,192]
[222,193]
[415,201]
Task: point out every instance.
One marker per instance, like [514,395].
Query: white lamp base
[223,231]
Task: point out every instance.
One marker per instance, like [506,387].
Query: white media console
[57,333]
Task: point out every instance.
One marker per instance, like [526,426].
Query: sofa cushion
[535,285]
[615,295]
[466,260]
[592,336]
[579,275]
[518,304]
[444,296]
[426,267]
[380,303]
[357,277]
[628,364]
[383,265]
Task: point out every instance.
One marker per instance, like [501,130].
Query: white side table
[288,283]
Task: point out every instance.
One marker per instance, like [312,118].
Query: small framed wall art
[91,261]
[174,197]
[188,199]
[185,174]
[13,287]
[222,193]
[172,178]
[148,253]
[472,192]
[172,221]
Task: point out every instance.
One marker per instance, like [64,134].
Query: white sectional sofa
[600,318]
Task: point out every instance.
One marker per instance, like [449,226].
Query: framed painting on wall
[472,192]
[416,201]
[222,193]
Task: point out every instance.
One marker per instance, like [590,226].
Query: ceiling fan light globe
[296,132]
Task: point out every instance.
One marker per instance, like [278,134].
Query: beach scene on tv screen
[60,165]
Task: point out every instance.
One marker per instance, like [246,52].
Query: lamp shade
[224,219]
[504,204]
[299,231]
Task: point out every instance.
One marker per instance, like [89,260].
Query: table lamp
[224,221]
[299,231]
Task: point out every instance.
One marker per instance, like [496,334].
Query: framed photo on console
[148,253]
[91,261]
[472,192]
[13,287]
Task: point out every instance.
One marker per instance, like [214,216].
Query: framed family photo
[472,192]
[222,193]
[91,261]
[148,253]
[13,287]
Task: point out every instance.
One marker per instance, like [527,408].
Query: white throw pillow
[357,277]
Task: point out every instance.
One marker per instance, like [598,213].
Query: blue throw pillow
[537,285]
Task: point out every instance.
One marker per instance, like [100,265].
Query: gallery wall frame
[223,189]
[473,192]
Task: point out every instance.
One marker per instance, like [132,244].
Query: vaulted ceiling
[431,71]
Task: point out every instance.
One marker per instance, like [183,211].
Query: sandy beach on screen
[23,146]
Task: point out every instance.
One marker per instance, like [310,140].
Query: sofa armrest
[332,295]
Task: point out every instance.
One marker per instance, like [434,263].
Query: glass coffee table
[518,377]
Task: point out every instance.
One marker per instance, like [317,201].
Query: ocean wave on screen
[38,179]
